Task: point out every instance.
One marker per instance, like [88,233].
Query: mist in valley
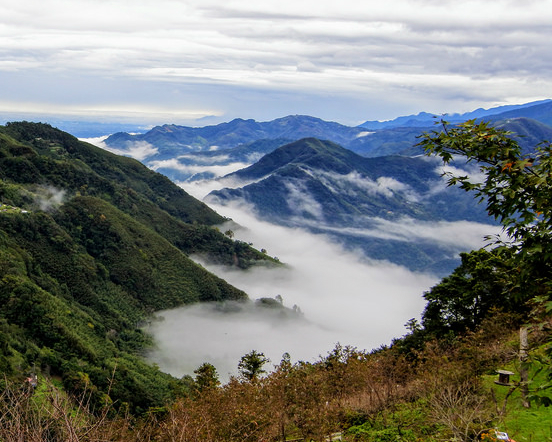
[343,296]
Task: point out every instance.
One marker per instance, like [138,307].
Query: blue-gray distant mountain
[182,139]
[531,123]
[541,113]
[324,187]
[402,140]
[398,141]
[424,119]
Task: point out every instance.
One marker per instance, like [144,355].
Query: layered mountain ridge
[175,150]
[340,180]
[326,188]
[235,132]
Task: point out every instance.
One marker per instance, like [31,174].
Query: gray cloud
[182,61]
[49,198]
[301,202]
[139,150]
[354,182]
[189,336]
[458,235]
[216,169]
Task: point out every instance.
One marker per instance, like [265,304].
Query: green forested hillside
[45,162]
[90,245]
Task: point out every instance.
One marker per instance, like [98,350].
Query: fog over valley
[344,297]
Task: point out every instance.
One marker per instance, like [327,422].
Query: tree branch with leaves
[516,188]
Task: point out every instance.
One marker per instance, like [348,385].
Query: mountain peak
[307,152]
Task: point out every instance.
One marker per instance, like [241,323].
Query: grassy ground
[522,424]
[529,425]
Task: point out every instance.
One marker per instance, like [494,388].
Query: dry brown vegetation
[308,401]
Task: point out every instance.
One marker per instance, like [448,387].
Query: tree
[251,365]
[462,300]
[463,410]
[516,187]
[206,377]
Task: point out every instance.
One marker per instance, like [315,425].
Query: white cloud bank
[217,170]
[345,299]
[139,150]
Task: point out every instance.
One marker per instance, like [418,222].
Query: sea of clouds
[344,297]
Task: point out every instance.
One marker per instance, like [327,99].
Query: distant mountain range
[228,135]
[245,141]
[424,119]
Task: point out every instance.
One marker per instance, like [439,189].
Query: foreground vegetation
[444,392]
[77,281]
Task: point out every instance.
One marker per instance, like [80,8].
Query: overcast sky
[206,61]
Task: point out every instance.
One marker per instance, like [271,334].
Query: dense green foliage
[462,300]
[79,275]
[90,245]
[251,365]
[44,162]
[517,190]
[206,377]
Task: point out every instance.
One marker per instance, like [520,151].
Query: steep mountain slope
[44,155]
[389,187]
[326,188]
[90,245]
[93,168]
